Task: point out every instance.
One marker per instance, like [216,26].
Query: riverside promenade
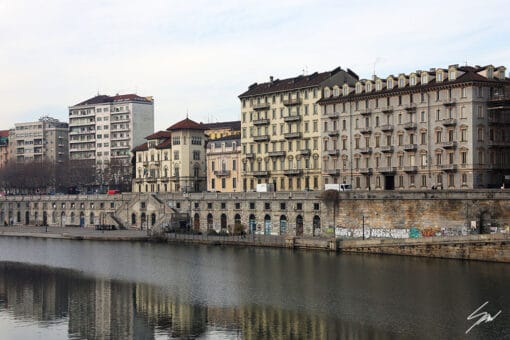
[73,233]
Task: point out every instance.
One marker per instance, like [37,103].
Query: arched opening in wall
[11,219]
[45,218]
[316,225]
[210,221]
[196,222]
[223,222]
[283,225]
[153,219]
[267,225]
[238,228]
[82,219]
[92,218]
[252,224]
[18,217]
[27,218]
[2,218]
[299,225]
[63,219]
[133,219]
[36,218]
[54,217]
[72,217]
[143,219]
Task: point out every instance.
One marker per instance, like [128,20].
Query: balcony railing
[387,128]
[292,101]
[365,171]
[449,145]
[258,122]
[387,148]
[365,150]
[292,135]
[305,152]
[333,133]
[411,168]
[410,126]
[292,172]
[277,154]
[387,170]
[334,115]
[366,112]
[220,173]
[250,155]
[332,172]
[260,173]
[366,130]
[388,109]
[449,122]
[332,152]
[261,138]
[261,106]
[450,102]
[410,108]
[448,167]
[292,118]
[410,147]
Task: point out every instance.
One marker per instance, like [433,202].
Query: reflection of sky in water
[216,292]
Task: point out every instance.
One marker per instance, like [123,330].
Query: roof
[104,99]
[159,135]
[470,75]
[288,84]
[236,136]
[142,147]
[167,144]
[233,125]
[4,133]
[187,124]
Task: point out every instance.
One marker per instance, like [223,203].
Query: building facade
[280,135]
[223,164]
[172,160]
[43,140]
[106,128]
[4,147]
[222,129]
[443,128]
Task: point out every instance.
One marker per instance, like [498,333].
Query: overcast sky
[198,56]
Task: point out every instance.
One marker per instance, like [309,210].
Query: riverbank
[70,233]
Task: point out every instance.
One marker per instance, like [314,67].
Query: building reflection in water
[98,308]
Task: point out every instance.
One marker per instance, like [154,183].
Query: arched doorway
[92,218]
[153,219]
[63,219]
[82,219]
[196,222]
[45,218]
[54,217]
[133,219]
[267,225]
[27,218]
[72,217]
[223,221]
[283,224]
[252,224]
[2,218]
[143,219]
[210,224]
[316,225]
[18,217]
[36,218]
[299,225]
[237,224]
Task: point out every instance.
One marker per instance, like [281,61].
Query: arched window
[210,221]
[283,224]
[92,218]
[133,218]
[267,225]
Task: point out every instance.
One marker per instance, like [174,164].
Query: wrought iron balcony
[410,108]
[365,171]
[365,150]
[411,168]
[334,115]
[220,173]
[292,135]
[332,172]
[260,173]
[448,167]
[449,122]
[332,152]
[277,154]
[292,118]
[261,106]
[387,170]
[333,133]
[366,112]
[450,102]
[449,145]
[410,126]
[410,147]
[387,148]
[304,152]
[292,172]
[292,101]
[259,122]
[365,130]
[388,109]
[261,138]
[387,128]
[250,155]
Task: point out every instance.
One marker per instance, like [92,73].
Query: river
[61,289]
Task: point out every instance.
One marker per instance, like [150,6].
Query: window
[316,206]
[176,155]
[267,206]
[213,183]
[176,140]
[196,155]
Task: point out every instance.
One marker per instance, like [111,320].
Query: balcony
[388,109]
[411,168]
[220,173]
[411,147]
[332,172]
[449,145]
[450,102]
[261,106]
[292,135]
[449,122]
[277,154]
[305,152]
[365,130]
[387,128]
[259,122]
[332,153]
[292,101]
[495,145]
[292,172]
[365,171]
[334,115]
[292,118]
[365,150]
[387,148]
[410,126]
[260,173]
[250,155]
[333,133]
[448,167]
[366,113]
[175,178]
[387,170]
[410,108]
[261,138]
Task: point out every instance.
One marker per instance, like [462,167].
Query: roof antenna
[187,113]
[378,59]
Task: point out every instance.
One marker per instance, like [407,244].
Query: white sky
[199,56]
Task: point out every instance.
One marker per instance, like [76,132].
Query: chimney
[271,79]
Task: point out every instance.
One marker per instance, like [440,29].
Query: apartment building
[43,140]
[223,163]
[222,129]
[106,128]
[4,147]
[280,135]
[443,128]
[172,160]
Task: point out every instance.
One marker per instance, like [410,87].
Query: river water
[61,289]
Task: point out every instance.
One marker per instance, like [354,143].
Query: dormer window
[439,76]
[424,78]
[451,75]
[346,90]
[490,72]
[358,88]
[327,92]
[368,87]
[378,85]
[389,84]
[413,80]
[401,82]
[336,92]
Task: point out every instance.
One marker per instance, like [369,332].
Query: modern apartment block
[43,140]
[223,164]
[280,137]
[106,128]
[4,147]
[172,160]
[443,128]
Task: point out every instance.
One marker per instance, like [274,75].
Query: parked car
[113,192]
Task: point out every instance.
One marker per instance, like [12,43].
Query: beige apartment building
[223,164]
[172,160]
[222,129]
[443,128]
[280,134]
[106,128]
[43,140]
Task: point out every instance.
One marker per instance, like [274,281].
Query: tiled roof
[187,124]
[103,99]
[159,135]
[233,125]
[288,84]
[4,133]
[142,147]
[167,144]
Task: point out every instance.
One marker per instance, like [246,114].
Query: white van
[338,187]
